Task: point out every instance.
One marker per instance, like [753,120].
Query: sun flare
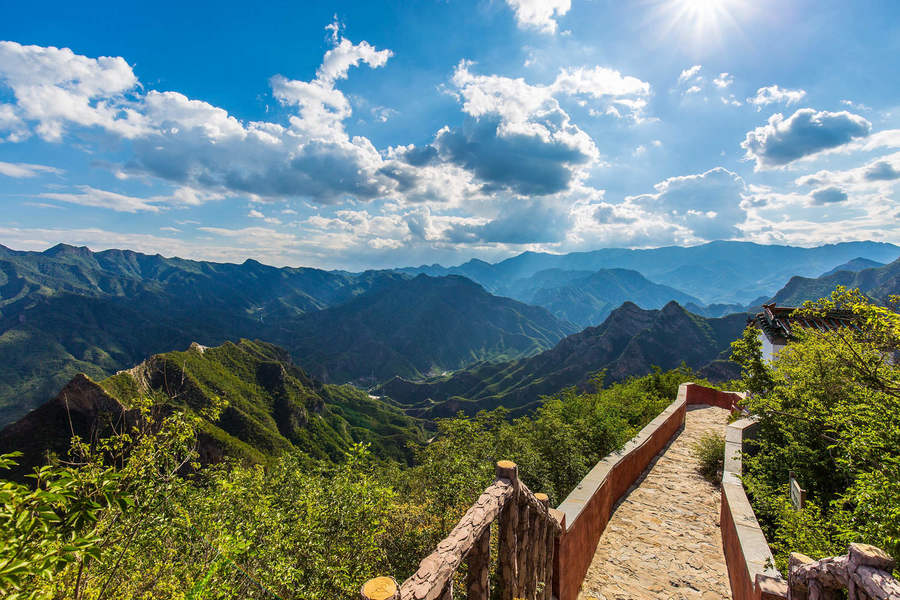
[700,21]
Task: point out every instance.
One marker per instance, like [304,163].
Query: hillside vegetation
[828,408]
[265,407]
[118,521]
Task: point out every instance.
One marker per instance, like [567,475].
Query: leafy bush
[710,451]
[133,517]
[829,410]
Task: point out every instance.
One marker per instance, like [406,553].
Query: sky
[374,134]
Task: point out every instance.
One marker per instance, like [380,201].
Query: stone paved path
[663,541]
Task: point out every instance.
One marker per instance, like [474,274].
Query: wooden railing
[527,532]
[865,572]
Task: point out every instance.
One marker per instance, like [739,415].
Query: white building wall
[769,350]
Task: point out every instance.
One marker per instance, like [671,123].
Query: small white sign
[798,495]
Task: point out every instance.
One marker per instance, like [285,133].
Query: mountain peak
[672,308]
[67,250]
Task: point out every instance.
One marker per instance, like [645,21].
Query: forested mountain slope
[271,406]
[630,342]
[420,327]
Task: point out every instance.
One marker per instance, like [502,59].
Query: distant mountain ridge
[420,327]
[878,283]
[586,298]
[69,310]
[715,272]
[855,265]
[629,342]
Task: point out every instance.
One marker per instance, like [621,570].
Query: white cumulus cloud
[805,133]
[773,94]
[539,14]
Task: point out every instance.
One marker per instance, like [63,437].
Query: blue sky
[355,135]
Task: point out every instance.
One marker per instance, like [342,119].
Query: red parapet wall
[741,586]
[698,394]
[576,547]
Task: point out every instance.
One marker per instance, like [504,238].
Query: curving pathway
[663,540]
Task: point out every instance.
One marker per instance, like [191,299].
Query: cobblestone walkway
[663,541]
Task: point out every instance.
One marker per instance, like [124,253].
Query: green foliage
[47,527]
[554,448]
[134,516]
[829,410]
[710,451]
[747,352]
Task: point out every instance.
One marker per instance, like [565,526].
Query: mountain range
[629,342]
[69,310]
[878,283]
[271,406]
[717,272]
[586,298]
[423,326]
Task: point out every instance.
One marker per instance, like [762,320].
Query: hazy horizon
[447,265]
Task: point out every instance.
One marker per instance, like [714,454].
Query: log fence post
[508,534]
[380,588]
[523,545]
[478,575]
[550,540]
[538,564]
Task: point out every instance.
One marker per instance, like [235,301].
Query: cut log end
[507,469]
[380,588]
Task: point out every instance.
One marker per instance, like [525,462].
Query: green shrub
[292,527]
[710,451]
[827,409]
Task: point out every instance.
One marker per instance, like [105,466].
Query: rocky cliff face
[81,408]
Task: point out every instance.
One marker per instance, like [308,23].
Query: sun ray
[699,23]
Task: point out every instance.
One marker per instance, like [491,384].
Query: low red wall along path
[741,586]
[593,500]
[747,552]
[587,510]
[698,394]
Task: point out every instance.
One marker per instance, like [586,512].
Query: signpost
[798,495]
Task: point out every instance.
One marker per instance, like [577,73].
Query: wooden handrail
[526,532]
[865,572]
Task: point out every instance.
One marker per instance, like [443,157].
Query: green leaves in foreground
[52,525]
[134,516]
[829,410]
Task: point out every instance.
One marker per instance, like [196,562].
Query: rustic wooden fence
[527,532]
[865,572]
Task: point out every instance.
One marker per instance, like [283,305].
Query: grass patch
[710,451]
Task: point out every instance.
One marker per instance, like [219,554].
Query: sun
[699,22]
